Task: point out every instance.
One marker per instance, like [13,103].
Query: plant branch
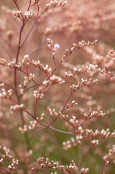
[31,27]
[105,168]
[15,70]
[5,50]
[5,170]
[85,155]
[15,82]
[8,85]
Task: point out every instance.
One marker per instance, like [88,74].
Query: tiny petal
[56,46]
[72,139]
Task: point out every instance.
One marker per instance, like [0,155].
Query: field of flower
[57,87]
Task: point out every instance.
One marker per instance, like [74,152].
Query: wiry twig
[5,50]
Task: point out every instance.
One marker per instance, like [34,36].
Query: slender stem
[64,105]
[15,82]
[29,32]
[5,170]
[15,70]
[35,22]
[105,168]
[35,108]
[61,110]
[83,158]
[23,122]
[57,130]
[45,125]
[19,10]
[5,50]
[32,86]
[8,85]
[24,110]
[54,61]
[31,27]
[26,134]
[46,79]
[19,46]
[48,125]
[29,5]
[85,121]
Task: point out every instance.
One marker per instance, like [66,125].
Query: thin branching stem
[31,28]
[5,170]
[8,85]
[29,5]
[105,168]
[84,156]
[15,84]
[6,50]
[19,10]
[17,56]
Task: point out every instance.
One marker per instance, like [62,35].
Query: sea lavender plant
[57,104]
